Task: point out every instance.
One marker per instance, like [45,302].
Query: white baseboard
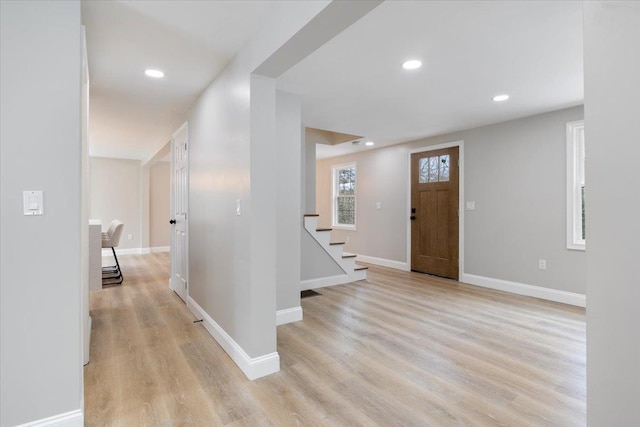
[324,281]
[398,265]
[68,419]
[253,367]
[288,315]
[565,297]
[136,251]
[129,251]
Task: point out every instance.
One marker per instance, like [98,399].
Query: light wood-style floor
[399,349]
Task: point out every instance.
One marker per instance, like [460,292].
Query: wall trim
[128,251]
[322,282]
[288,315]
[253,367]
[461,210]
[548,294]
[398,265]
[136,251]
[68,419]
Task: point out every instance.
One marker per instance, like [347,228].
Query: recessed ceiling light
[499,98]
[412,64]
[369,143]
[154,73]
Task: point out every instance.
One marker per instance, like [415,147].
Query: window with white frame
[575,186]
[344,196]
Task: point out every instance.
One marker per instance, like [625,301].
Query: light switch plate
[33,202]
[471,206]
[238,207]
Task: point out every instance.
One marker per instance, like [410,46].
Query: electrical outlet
[542,264]
[378,205]
[130,237]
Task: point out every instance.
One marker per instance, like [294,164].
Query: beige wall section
[159,194]
[115,194]
[514,171]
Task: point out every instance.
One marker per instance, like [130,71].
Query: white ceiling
[470,51]
[354,84]
[131,115]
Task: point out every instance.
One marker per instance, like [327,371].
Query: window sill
[576,247]
[344,227]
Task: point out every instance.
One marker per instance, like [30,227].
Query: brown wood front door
[434,212]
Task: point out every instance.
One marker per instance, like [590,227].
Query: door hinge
[185,146]
[185,285]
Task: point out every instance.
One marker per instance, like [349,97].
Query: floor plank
[397,349]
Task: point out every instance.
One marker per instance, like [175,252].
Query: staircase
[347,262]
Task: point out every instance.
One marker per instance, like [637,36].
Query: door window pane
[434,169]
[444,168]
[424,170]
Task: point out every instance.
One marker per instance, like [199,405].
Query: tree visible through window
[344,198]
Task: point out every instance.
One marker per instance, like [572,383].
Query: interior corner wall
[40,149]
[515,173]
[612,132]
[116,194]
[288,204]
[223,279]
[159,195]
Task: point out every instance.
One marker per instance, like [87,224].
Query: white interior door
[179,213]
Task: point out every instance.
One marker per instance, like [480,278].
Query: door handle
[172,221]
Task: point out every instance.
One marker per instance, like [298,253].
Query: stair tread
[349,256]
[324,229]
[336,243]
[360,267]
[311,215]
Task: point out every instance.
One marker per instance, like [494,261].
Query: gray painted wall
[514,171]
[115,194]
[612,126]
[40,134]
[288,199]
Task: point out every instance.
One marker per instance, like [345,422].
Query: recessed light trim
[412,64]
[500,98]
[369,143]
[157,74]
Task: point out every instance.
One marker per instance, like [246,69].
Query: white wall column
[612,132]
